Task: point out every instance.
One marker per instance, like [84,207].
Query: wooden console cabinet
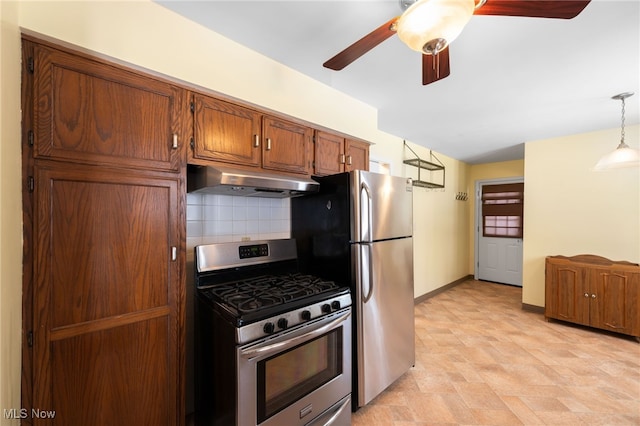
[593,291]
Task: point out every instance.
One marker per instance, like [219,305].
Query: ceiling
[512,79]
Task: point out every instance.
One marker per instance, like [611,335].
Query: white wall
[570,209]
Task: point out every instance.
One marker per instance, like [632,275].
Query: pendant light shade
[623,156]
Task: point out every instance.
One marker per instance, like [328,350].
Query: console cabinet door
[286,146]
[615,300]
[226,132]
[106,290]
[88,111]
[567,295]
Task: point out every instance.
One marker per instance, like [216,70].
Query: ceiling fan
[428,26]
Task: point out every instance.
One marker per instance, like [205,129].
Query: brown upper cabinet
[357,153]
[226,132]
[229,133]
[286,146]
[87,111]
[335,154]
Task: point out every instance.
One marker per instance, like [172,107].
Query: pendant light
[623,155]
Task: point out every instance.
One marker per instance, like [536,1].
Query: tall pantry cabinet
[103,152]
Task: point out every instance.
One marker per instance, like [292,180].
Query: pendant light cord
[622,124]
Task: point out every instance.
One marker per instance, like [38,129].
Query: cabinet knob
[593,296]
[586,295]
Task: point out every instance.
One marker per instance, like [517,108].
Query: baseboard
[533,308]
[445,287]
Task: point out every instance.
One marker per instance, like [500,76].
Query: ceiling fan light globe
[429,20]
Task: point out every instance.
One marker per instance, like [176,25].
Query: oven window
[287,377]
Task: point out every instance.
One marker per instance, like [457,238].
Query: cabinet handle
[593,296]
[586,295]
[174,253]
[256,141]
[175,141]
[268,144]
[342,159]
[349,160]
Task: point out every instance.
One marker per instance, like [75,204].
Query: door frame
[478,215]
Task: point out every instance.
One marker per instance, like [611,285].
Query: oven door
[298,375]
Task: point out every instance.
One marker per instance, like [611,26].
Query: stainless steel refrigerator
[358,231]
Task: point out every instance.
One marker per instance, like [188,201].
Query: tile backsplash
[213,218]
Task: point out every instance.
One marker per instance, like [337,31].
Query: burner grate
[251,295]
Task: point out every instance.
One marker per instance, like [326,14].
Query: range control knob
[335,305]
[283,323]
[269,328]
[326,308]
[306,315]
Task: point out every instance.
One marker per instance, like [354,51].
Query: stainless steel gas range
[272,345]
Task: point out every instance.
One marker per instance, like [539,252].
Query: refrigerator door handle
[367,266]
[365,213]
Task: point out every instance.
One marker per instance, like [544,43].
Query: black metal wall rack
[434,165]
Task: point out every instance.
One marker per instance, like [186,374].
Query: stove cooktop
[260,297]
[257,288]
[262,292]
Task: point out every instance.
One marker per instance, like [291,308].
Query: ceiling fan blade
[436,67]
[565,9]
[362,46]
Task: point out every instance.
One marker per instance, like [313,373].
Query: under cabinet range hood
[243,183]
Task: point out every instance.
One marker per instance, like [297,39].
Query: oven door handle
[289,343]
[331,420]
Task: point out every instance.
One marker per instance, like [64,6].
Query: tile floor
[482,360]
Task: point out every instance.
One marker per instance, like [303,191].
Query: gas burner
[258,293]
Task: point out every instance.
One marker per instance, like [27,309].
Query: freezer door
[382,206]
[385,347]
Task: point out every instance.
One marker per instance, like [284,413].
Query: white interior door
[498,259]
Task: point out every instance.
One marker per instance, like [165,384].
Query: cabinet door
[566,293]
[357,155]
[329,156]
[106,297]
[286,146]
[226,132]
[615,298]
[91,112]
